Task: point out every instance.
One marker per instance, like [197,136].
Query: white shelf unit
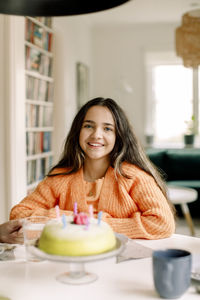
[39,100]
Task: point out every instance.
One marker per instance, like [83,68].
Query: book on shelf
[47,116]
[31,169]
[33,143]
[37,61]
[38,35]
[38,142]
[38,89]
[47,21]
[32,115]
[33,59]
[39,115]
[50,92]
[42,91]
[30,143]
[37,169]
[47,141]
[47,45]
[45,65]
[29,31]
[48,163]
[40,169]
[40,19]
[32,87]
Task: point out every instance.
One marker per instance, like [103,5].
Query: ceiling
[145,11]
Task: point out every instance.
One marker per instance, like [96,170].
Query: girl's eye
[87,126]
[108,129]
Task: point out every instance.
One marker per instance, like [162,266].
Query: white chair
[182,196]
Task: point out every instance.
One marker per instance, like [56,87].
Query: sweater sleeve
[41,202]
[153,218]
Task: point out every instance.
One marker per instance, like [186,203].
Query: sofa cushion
[194,184]
[157,157]
[183,164]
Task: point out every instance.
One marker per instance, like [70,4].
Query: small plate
[7,252]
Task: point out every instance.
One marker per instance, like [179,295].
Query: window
[169,99]
[172,101]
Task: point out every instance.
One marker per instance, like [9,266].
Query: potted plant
[149,139]
[189,135]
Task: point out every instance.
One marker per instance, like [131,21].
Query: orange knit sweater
[135,207]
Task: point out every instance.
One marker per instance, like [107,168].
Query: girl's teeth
[94,144]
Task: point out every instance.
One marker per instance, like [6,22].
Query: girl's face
[97,135]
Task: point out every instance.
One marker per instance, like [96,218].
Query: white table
[182,196]
[127,280]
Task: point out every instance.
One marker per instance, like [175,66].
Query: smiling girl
[104,165]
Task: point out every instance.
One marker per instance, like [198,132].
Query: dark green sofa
[181,168]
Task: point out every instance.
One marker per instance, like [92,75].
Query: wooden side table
[182,196]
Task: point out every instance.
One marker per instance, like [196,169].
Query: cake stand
[76,273]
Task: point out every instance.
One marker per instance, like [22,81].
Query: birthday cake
[77,236]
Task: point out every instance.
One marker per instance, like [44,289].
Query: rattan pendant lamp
[55,7]
[188,47]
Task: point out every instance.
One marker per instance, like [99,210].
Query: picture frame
[82,73]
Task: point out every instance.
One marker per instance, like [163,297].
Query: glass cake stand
[76,273]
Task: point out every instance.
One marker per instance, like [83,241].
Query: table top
[130,279]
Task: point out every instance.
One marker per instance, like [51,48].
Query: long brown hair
[127,147]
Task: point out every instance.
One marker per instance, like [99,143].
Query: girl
[103,164]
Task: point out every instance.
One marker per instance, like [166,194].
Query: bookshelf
[39,85]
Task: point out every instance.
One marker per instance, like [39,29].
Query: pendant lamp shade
[188,39]
[55,7]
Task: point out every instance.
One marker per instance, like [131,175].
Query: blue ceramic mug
[171,272]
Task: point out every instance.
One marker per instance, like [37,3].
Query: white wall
[2,124]
[118,64]
[12,112]
[72,45]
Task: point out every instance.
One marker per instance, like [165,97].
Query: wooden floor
[182,228]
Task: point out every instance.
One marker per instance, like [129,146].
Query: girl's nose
[97,133]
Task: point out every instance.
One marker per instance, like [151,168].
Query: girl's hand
[11,232]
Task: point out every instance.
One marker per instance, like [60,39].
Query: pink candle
[91,210]
[57,212]
[87,224]
[75,208]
